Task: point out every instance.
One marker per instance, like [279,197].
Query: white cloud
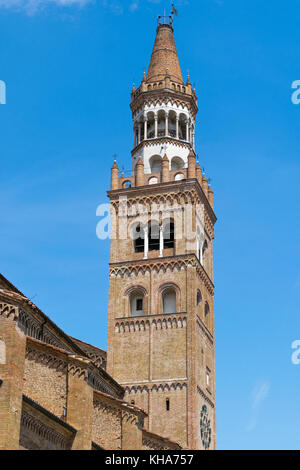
[32,6]
[115,6]
[258,396]
[134,5]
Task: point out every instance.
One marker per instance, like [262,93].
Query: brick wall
[45,379]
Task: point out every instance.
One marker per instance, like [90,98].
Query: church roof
[164,59]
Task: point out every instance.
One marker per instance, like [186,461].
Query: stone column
[177,127]
[146,241]
[145,128]
[187,130]
[167,124]
[161,241]
[156,126]
[140,133]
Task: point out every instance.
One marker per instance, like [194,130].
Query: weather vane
[168,19]
[174,11]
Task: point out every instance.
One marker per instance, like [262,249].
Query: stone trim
[163,96]
[156,442]
[33,322]
[156,387]
[97,355]
[168,194]
[157,264]
[119,405]
[143,325]
[205,330]
[9,311]
[33,424]
[161,140]
[79,366]
[205,396]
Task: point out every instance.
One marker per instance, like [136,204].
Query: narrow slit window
[167,404]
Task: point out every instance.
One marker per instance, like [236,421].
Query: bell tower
[161,292]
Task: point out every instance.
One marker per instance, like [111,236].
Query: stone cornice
[160,141]
[128,267]
[156,442]
[51,342]
[79,366]
[205,396]
[48,413]
[155,386]
[163,95]
[117,404]
[39,422]
[188,189]
[165,321]
[20,301]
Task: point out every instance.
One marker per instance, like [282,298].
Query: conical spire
[164,59]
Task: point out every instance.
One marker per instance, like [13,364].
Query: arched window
[169,300]
[179,177]
[155,163]
[127,184]
[199,297]
[153,180]
[138,238]
[169,235]
[137,303]
[177,163]
[153,236]
[204,251]
[206,310]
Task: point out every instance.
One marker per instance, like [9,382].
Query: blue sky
[69,67]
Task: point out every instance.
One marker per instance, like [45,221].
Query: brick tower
[161,291]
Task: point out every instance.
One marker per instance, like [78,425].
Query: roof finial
[174,11]
[188,82]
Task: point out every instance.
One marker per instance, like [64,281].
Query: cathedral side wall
[45,383]
[107,425]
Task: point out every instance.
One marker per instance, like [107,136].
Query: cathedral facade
[154,388]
